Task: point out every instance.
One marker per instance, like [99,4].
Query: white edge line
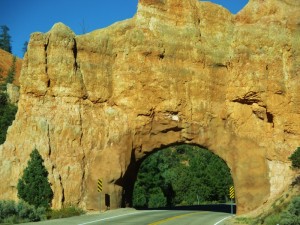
[112,217]
[222,220]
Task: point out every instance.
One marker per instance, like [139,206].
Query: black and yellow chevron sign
[231,192]
[99,185]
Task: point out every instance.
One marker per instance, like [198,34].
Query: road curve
[143,217]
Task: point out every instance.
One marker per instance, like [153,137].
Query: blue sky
[24,17]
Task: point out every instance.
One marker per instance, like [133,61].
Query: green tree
[295,158]
[34,187]
[183,174]
[140,197]
[157,198]
[12,71]
[7,115]
[5,39]
[24,49]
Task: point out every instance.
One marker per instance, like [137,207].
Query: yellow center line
[173,218]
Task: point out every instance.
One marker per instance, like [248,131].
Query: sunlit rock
[177,72]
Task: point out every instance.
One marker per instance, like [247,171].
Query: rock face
[178,72]
[13,93]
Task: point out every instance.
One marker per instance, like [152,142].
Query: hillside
[5,64]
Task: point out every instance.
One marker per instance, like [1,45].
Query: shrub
[295,158]
[273,219]
[12,212]
[291,216]
[7,209]
[67,211]
[26,211]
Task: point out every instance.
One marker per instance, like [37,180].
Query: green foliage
[12,71]
[291,216]
[7,209]
[140,197]
[65,212]
[272,219]
[1,78]
[7,115]
[295,158]
[7,110]
[3,100]
[12,212]
[5,39]
[22,212]
[34,187]
[181,175]
[282,213]
[157,198]
[25,46]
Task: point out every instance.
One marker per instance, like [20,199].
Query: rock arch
[251,177]
[178,72]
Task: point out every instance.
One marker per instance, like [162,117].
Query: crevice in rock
[270,118]
[83,176]
[288,131]
[248,99]
[162,55]
[62,191]
[49,141]
[74,49]
[46,55]
[219,65]
[245,101]
[80,121]
[175,129]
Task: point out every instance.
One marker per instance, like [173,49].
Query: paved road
[144,217]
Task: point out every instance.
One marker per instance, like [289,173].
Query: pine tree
[7,115]
[25,46]
[5,39]
[12,71]
[34,187]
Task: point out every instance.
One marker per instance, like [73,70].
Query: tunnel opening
[177,176]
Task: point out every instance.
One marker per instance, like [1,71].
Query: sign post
[231,195]
[99,189]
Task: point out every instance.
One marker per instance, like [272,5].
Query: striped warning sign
[231,192]
[99,185]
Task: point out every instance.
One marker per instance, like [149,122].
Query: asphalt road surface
[144,217]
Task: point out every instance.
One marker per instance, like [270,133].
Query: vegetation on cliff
[11,72]
[286,209]
[181,175]
[295,158]
[7,110]
[7,115]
